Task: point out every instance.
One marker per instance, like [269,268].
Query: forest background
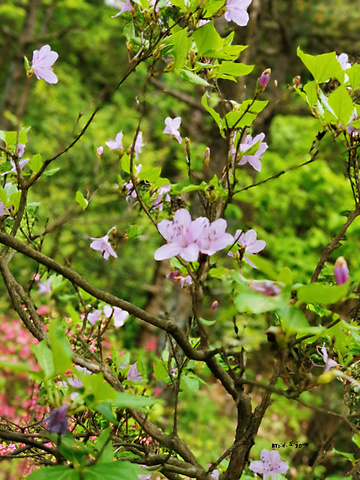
[296,213]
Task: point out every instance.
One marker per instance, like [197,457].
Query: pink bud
[99,151]
[264,78]
[341,271]
[214,305]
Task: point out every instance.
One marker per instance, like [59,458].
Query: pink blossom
[254,159]
[138,143]
[159,201]
[94,316]
[329,363]
[343,59]
[42,63]
[100,151]
[175,276]
[44,287]
[133,374]
[266,287]
[341,271]
[102,244]
[172,127]
[249,242]
[119,315]
[127,7]
[117,143]
[264,78]
[181,234]
[3,210]
[269,464]
[236,11]
[214,238]
[22,164]
[20,149]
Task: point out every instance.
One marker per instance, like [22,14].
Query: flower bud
[207,157]
[264,78]
[296,81]
[341,271]
[214,305]
[99,151]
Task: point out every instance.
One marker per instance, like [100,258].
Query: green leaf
[311,93]
[293,320]
[192,383]
[59,472]
[45,359]
[79,197]
[51,172]
[177,188]
[61,350]
[181,44]
[285,276]
[192,78]
[11,138]
[323,294]
[235,69]
[160,371]
[35,162]
[342,105]
[322,67]
[97,389]
[207,39]
[349,456]
[212,112]
[209,8]
[150,174]
[255,302]
[264,266]
[354,76]
[208,323]
[125,400]
[119,470]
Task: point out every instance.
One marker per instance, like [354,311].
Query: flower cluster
[118,314]
[188,238]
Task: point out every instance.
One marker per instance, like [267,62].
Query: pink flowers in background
[269,464]
[42,63]
[172,127]
[341,271]
[117,143]
[187,237]
[236,11]
[254,159]
[103,246]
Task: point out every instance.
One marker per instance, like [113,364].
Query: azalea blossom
[266,287]
[159,201]
[181,234]
[22,164]
[94,316]
[42,63]
[172,127]
[343,59]
[269,464]
[3,210]
[236,11]
[117,143]
[341,271]
[127,7]
[133,374]
[138,144]
[102,244]
[119,315]
[214,238]
[248,241]
[176,276]
[254,159]
[44,287]
[57,421]
[129,186]
[329,362]
[20,149]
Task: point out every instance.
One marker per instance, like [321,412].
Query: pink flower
[213,237]
[172,127]
[119,315]
[138,143]
[22,164]
[266,287]
[253,159]
[133,374]
[3,210]
[343,59]
[177,277]
[102,244]
[236,11]
[21,149]
[341,271]
[264,78]
[100,151]
[127,7]
[248,241]
[159,201]
[44,287]
[42,63]
[269,464]
[94,316]
[117,143]
[181,234]
[329,363]
[57,421]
